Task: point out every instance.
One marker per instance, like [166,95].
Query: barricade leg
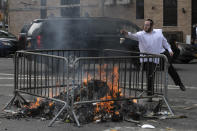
[10,102]
[169,108]
[16,96]
[63,108]
[66,106]
[75,117]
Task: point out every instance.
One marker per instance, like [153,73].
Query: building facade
[175,17]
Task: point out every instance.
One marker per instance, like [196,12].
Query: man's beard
[149,30]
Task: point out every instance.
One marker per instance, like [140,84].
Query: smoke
[83,33]
[65,33]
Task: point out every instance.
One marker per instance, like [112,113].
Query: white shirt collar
[149,33]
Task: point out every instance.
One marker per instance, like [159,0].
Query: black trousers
[171,70]
[150,68]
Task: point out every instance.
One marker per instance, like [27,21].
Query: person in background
[194,34]
[152,41]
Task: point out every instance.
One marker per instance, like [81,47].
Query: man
[152,41]
[194,34]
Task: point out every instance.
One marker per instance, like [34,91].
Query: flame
[86,79]
[51,104]
[34,105]
[113,86]
[51,94]
[134,101]
[37,103]
[117,113]
[105,106]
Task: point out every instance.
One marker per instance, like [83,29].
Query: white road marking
[173,87]
[7,85]
[6,78]
[6,74]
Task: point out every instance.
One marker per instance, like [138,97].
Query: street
[183,104]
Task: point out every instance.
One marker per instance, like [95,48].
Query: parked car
[186,53]
[78,33]
[22,37]
[3,26]
[8,43]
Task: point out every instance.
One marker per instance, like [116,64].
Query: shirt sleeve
[166,45]
[132,36]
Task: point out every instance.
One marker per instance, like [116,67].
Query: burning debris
[88,112]
[41,107]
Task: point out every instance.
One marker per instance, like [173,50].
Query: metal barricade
[88,76]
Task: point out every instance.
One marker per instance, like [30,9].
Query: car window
[25,28]
[33,28]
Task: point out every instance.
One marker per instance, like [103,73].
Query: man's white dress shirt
[153,42]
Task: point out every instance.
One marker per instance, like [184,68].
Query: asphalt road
[179,101]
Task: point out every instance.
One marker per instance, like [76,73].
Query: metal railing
[89,76]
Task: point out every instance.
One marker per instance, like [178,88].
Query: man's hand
[124,32]
[171,53]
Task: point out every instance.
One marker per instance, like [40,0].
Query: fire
[114,86]
[114,91]
[134,100]
[105,106]
[34,105]
[112,79]
[86,79]
[117,112]
[51,104]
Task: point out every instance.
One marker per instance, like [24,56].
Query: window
[70,11]
[43,13]
[2,4]
[139,9]
[43,2]
[170,13]
[43,10]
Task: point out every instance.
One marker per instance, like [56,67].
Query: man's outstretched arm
[129,35]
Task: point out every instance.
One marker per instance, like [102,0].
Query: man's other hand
[171,53]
